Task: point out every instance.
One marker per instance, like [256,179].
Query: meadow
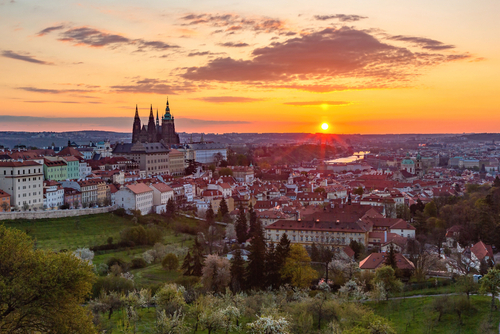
[416,315]
[72,232]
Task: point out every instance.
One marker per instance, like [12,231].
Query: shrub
[170,298]
[119,262]
[138,263]
[111,283]
[187,229]
[170,262]
[188,282]
[141,235]
[102,269]
[120,212]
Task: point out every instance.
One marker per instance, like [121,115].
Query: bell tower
[136,128]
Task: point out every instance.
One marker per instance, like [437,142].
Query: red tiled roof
[18,163]
[376,260]
[162,187]
[139,188]
[481,250]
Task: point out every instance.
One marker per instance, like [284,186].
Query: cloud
[113,122]
[96,38]
[28,58]
[317,103]
[234,22]
[185,122]
[340,17]
[50,29]
[333,53]
[234,45]
[154,86]
[424,43]
[54,91]
[203,53]
[227,99]
[91,102]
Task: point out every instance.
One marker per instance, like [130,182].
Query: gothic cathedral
[154,132]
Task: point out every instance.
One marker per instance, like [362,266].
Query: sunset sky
[362,66]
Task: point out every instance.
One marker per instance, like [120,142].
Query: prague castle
[153,132]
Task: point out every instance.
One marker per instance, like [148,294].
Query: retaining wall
[55,213]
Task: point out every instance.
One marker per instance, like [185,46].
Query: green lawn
[72,232]
[414,315]
[87,231]
[146,323]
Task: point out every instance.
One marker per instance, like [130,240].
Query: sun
[324,126]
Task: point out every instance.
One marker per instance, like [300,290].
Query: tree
[42,291]
[223,209]
[171,324]
[5,206]
[297,267]
[216,273]
[467,285]
[187,265]
[171,208]
[315,255]
[253,220]
[403,212]
[496,182]
[320,190]
[271,268]
[256,259]
[170,298]
[490,284]
[281,254]
[357,247]
[269,325]
[210,216]
[237,271]
[430,209]
[218,157]
[193,264]
[224,171]
[170,262]
[241,226]
[197,258]
[358,191]
[390,260]
[386,275]
[26,206]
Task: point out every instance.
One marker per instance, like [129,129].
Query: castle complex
[153,132]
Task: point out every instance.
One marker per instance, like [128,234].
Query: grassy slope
[72,232]
[414,316]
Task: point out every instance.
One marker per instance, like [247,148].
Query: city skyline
[362,67]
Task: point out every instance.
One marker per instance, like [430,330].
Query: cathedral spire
[136,111]
[151,112]
[157,119]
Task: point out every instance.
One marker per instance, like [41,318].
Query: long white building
[23,181]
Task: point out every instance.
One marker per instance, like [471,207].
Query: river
[356,156]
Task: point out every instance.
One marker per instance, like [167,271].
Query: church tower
[136,129]
[168,134]
[151,127]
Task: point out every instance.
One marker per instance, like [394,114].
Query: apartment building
[53,194]
[56,170]
[23,181]
[151,157]
[135,197]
